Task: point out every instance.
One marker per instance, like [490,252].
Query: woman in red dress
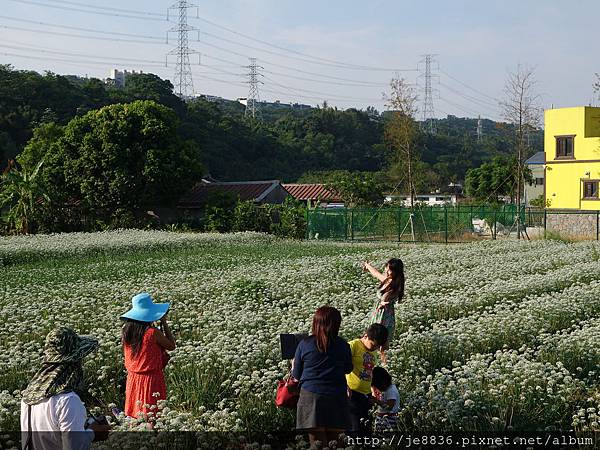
[145,348]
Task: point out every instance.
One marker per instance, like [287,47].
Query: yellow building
[572,153]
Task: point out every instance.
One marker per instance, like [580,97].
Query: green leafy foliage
[539,202]
[122,157]
[494,179]
[285,220]
[23,196]
[357,188]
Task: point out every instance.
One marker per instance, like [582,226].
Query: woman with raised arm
[390,291]
[145,346]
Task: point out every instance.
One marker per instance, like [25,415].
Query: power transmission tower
[253,100]
[428,92]
[479,129]
[183,83]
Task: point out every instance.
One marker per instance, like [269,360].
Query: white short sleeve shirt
[390,393]
[57,423]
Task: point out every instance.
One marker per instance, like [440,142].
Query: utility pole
[428,91]
[183,82]
[253,100]
[479,129]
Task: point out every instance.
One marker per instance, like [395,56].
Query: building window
[539,181]
[590,189]
[565,146]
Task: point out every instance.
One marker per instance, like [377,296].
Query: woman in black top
[320,363]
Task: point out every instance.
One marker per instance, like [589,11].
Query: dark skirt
[322,411]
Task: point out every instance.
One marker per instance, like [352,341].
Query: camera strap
[29,443]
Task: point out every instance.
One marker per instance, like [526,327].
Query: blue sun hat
[145,310]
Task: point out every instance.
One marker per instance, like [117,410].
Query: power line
[277,65]
[107,8]
[469,87]
[68,8]
[307,96]
[225,72]
[152,39]
[283,55]
[57,52]
[339,64]
[82,61]
[294,90]
[467,110]
[346,81]
[144,15]
[270,91]
[325,94]
[335,83]
[87,30]
[100,38]
[462,108]
[469,97]
[489,111]
[226,61]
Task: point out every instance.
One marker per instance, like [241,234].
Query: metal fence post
[352,224]
[597,223]
[495,229]
[399,220]
[446,223]
[545,221]
[345,224]
[307,232]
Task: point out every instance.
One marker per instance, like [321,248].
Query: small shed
[270,191]
[313,194]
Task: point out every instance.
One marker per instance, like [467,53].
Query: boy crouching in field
[359,380]
[387,398]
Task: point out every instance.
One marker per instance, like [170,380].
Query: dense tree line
[286,144]
[110,151]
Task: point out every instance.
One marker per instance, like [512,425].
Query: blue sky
[476,44]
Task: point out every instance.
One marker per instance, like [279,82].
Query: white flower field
[491,336]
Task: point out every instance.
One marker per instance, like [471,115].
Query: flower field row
[490,335]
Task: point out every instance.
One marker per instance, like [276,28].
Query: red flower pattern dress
[145,377]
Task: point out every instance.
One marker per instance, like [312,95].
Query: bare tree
[521,108]
[401,130]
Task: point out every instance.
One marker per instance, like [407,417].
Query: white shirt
[390,393]
[57,423]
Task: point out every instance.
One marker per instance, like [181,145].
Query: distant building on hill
[119,78]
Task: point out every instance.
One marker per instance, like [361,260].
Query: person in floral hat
[52,413]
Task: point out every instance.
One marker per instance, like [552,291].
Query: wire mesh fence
[447,223]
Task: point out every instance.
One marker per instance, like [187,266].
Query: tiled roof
[311,192]
[244,190]
[538,158]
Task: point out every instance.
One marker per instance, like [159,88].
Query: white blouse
[57,423]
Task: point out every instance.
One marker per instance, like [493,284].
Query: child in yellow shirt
[359,380]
